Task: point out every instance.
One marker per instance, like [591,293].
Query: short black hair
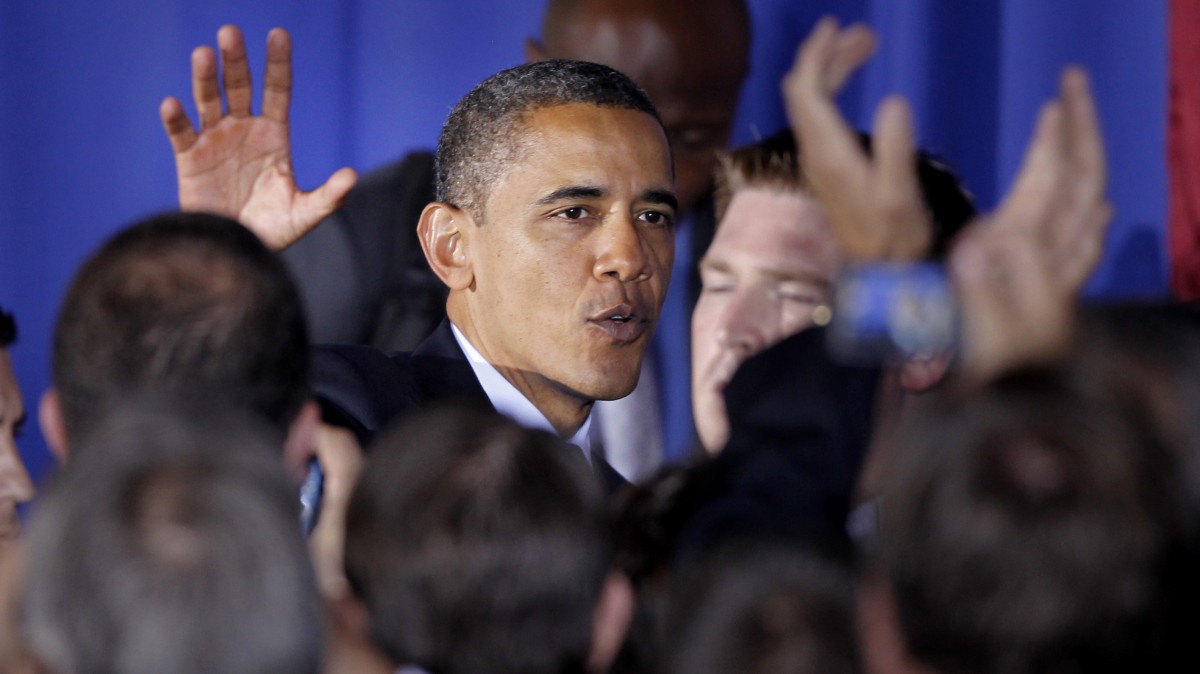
[187,303]
[172,543]
[478,546]
[480,139]
[8,329]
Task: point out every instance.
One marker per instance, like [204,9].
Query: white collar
[512,403]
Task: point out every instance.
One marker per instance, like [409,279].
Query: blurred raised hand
[1019,270]
[240,164]
[873,201]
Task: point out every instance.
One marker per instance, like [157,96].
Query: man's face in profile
[572,259]
[15,485]
[770,267]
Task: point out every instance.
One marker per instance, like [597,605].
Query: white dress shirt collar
[512,403]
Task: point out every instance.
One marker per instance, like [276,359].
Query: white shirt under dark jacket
[512,403]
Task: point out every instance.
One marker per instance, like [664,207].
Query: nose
[622,252]
[749,322]
[15,483]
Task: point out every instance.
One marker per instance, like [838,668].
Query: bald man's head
[689,55]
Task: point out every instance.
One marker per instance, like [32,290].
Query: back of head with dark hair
[1040,525]
[766,608]
[185,303]
[774,163]
[481,137]
[478,546]
[172,545]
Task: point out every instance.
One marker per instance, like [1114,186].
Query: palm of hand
[242,166]
[239,164]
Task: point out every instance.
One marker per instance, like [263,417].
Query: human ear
[534,50]
[441,231]
[54,429]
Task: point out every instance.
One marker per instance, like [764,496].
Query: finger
[235,70]
[851,49]
[326,198]
[277,83]
[204,86]
[813,52]
[177,125]
[1028,204]
[1085,142]
[896,185]
[313,206]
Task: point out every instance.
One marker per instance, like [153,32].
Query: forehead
[774,229]
[691,64]
[623,151]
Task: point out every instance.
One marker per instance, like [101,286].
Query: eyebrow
[662,197]
[570,193]
[573,192]
[777,275]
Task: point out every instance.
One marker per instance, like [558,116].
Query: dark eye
[572,213]
[657,218]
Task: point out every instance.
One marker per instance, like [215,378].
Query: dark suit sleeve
[361,388]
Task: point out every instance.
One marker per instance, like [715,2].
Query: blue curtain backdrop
[82,152]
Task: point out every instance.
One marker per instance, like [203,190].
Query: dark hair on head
[773,163]
[8,329]
[172,543]
[482,136]
[1039,525]
[764,607]
[185,303]
[478,546]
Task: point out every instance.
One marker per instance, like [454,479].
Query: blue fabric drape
[82,153]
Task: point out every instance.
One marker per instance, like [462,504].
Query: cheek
[706,347]
[792,320]
[704,320]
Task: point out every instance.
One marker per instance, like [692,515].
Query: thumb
[312,207]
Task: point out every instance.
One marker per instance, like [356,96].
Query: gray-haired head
[172,545]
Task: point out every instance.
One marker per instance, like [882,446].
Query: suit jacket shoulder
[365,389]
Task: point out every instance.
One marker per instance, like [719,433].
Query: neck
[566,410]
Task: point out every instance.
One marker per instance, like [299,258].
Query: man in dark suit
[363,274]
[554,231]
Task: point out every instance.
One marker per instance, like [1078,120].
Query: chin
[609,385]
[711,424]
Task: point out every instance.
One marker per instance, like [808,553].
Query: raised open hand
[239,164]
[1059,197]
[1020,269]
[874,202]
